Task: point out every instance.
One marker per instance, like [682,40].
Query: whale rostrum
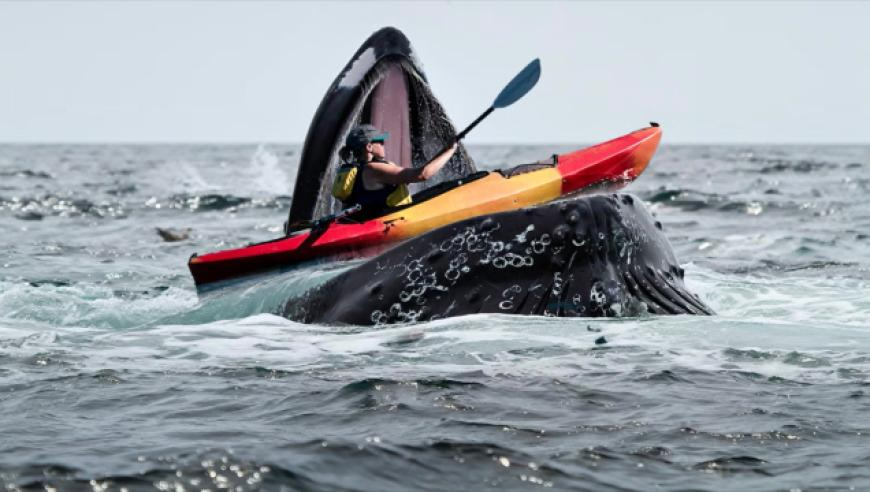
[599,255]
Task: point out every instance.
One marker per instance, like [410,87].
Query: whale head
[383,84]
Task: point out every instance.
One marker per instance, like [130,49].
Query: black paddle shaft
[462,134]
[474,123]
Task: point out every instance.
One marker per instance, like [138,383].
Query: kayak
[613,164]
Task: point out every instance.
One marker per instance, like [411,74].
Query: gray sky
[710,72]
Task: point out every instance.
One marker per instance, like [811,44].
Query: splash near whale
[601,255]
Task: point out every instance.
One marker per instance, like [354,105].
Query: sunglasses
[378,141]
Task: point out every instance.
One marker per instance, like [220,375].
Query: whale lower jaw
[601,255]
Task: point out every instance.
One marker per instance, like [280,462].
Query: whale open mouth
[383,85]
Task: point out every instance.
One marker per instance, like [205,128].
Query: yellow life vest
[401,196]
[345,178]
[348,188]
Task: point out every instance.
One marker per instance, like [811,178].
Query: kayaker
[367,178]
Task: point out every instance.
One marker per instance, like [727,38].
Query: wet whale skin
[600,255]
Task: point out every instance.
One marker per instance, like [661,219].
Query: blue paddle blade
[520,85]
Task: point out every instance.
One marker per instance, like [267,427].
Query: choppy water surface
[114,375]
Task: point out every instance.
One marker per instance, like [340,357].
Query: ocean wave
[217,202]
[52,205]
[780,165]
[693,200]
[25,173]
[768,202]
[62,304]
[55,205]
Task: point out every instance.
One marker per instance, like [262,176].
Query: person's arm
[389,173]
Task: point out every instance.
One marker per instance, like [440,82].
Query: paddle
[516,89]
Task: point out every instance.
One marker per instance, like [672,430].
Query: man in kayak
[368,179]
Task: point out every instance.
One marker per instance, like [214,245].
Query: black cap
[362,135]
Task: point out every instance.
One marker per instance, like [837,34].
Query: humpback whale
[593,256]
[383,84]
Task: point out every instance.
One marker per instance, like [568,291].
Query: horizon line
[278,142]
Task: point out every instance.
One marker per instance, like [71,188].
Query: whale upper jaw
[592,256]
[382,84]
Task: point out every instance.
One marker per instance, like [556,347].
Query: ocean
[114,375]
